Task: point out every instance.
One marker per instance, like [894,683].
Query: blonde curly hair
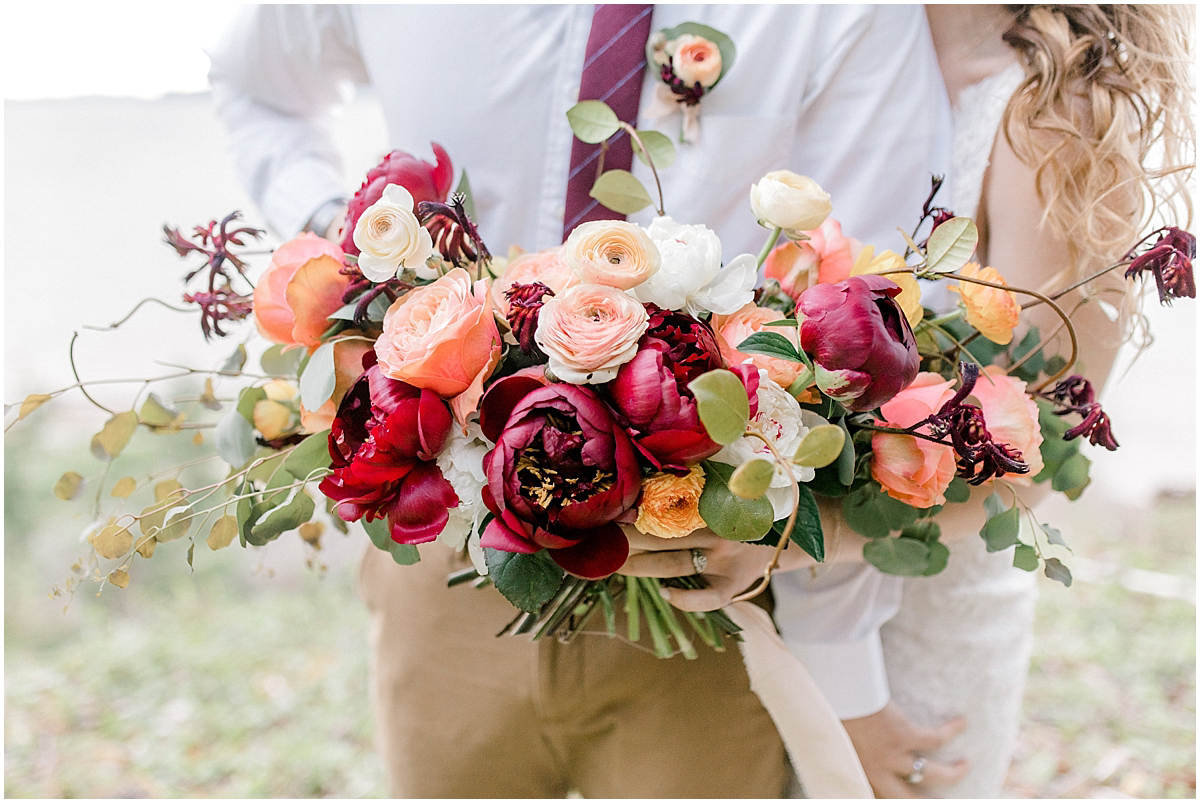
[1104,116]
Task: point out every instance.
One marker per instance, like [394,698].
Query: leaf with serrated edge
[620,191]
[722,404]
[592,121]
[951,245]
[751,479]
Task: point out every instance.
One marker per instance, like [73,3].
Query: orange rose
[347,368]
[733,329]
[441,337]
[992,311]
[913,470]
[825,257]
[547,267]
[298,291]
[670,505]
[1012,418]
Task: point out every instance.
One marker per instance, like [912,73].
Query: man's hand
[888,744]
[731,567]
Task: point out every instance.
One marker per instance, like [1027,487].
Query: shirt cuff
[850,673]
[297,191]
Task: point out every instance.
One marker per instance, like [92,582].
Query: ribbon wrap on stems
[820,750]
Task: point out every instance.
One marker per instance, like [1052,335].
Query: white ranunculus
[390,238]
[461,463]
[789,201]
[780,418]
[691,277]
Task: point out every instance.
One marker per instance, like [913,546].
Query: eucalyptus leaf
[1056,570]
[282,519]
[620,191]
[31,403]
[860,509]
[155,414]
[114,437]
[318,380]
[1002,530]
[123,488]
[1072,476]
[1053,535]
[69,486]
[1025,558]
[951,245]
[234,438]
[236,361]
[906,557]
[284,362]
[223,531]
[247,399]
[593,121]
[380,534]
[846,460]
[727,515]
[722,404]
[112,541]
[821,446]
[310,454]
[958,491]
[119,578]
[177,526]
[751,479]
[806,532]
[528,581]
[660,146]
[939,559]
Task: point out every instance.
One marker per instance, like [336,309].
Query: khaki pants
[461,713]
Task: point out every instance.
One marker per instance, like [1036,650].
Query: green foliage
[234,439]
[872,513]
[1031,368]
[1056,570]
[528,581]
[318,378]
[806,532]
[381,536]
[958,491]
[775,345]
[464,189]
[722,404]
[620,191]
[908,557]
[114,437]
[1064,465]
[281,361]
[1003,525]
[727,515]
[592,121]
[821,446]
[951,245]
[288,517]
[751,479]
[310,455]
[1025,558]
[661,149]
[157,415]
[236,361]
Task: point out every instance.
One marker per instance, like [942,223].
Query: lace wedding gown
[960,644]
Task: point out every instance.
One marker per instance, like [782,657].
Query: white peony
[781,420]
[461,462]
[390,238]
[691,277]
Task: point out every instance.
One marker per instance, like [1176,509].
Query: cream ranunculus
[589,332]
[390,238]
[611,252]
[789,201]
[691,277]
[670,505]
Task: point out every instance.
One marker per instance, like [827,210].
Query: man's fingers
[933,738]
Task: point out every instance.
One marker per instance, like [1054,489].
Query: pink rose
[1012,418]
[589,332]
[733,329]
[913,470]
[300,288]
[441,337]
[825,258]
[547,267]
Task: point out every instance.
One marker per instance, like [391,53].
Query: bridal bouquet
[526,410]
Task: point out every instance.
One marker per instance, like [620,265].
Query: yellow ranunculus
[670,506]
[994,312]
[910,294]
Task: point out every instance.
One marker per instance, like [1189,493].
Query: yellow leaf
[108,442]
[177,526]
[168,489]
[224,530]
[208,398]
[69,486]
[198,438]
[119,578]
[147,545]
[112,542]
[166,494]
[124,488]
[311,531]
[31,403]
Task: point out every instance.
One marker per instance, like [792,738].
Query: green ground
[249,677]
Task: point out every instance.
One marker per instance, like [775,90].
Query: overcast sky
[143,50]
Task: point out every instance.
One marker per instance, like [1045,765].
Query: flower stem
[786,535]
[770,243]
[649,161]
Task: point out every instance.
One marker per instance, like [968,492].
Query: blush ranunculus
[441,336]
[1012,418]
[913,470]
[994,312]
[695,60]
[733,329]
[300,288]
[827,256]
[589,332]
[547,267]
[614,253]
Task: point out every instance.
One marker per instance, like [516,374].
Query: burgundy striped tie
[612,72]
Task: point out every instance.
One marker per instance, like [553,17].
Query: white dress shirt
[849,95]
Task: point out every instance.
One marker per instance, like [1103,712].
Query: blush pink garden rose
[589,332]
[695,60]
[733,329]
[913,470]
[1012,418]
[827,256]
[442,337]
[547,267]
[611,252]
[298,291]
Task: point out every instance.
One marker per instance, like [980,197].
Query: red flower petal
[598,555]
[421,505]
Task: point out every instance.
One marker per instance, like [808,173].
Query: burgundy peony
[424,181]
[562,471]
[651,390]
[863,349]
[384,441]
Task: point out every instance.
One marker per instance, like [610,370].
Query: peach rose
[298,291]
[913,470]
[910,293]
[994,312]
[441,337]
[347,368]
[696,60]
[547,267]
[670,506]
[733,329]
[611,252]
[589,332]
[826,257]
[1012,418]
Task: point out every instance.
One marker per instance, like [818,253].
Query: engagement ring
[700,561]
[918,771]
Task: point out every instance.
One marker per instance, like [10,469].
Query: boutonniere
[691,60]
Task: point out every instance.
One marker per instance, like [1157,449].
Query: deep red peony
[424,181]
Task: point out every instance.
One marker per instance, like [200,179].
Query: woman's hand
[730,567]
[893,750]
